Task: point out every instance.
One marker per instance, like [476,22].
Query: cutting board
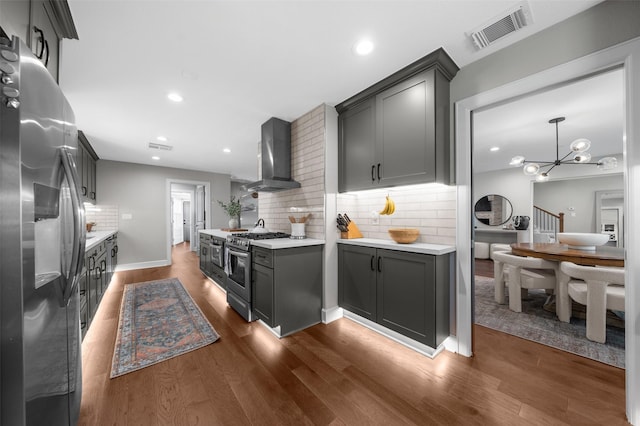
[233,229]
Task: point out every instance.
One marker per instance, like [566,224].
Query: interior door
[200,215]
[186,220]
[176,221]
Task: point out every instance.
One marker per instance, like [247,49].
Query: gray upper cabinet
[41,24]
[14,19]
[86,160]
[396,132]
[357,158]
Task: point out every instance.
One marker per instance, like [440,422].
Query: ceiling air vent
[159,146]
[506,23]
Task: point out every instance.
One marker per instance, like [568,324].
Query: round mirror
[493,210]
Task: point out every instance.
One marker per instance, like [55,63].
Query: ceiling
[238,63]
[593,108]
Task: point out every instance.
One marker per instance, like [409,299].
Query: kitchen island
[275,280]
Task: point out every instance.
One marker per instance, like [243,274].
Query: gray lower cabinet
[357,278]
[405,292]
[286,287]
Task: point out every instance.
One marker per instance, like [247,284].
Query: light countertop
[96,237]
[273,244]
[281,243]
[216,233]
[423,248]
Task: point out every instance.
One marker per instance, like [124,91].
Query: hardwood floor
[335,374]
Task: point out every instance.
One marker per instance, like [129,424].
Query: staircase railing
[548,222]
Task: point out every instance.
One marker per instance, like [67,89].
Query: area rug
[158,320]
[539,325]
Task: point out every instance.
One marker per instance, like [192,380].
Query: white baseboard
[142,265]
[403,340]
[331,314]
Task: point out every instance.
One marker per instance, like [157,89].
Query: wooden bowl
[404,235]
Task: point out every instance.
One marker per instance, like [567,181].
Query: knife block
[353,232]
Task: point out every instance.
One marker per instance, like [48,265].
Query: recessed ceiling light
[155,157]
[174,97]
[363,47]
[227,150]
[494,149]
[161,138]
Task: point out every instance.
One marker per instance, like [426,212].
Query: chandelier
[579,149]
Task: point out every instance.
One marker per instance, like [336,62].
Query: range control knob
[13,103]
[6,79]
[10,92]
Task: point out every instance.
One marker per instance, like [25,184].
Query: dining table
[601,256]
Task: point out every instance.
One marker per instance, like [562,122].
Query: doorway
[524,126]
[625,53]
[181,215]
[187,203]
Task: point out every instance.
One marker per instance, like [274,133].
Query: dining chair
[523,273]
[598,288]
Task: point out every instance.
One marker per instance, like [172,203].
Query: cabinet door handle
[93,195]
[379,265]
[46,46]
[84,191]
[373,170]
[372,267]
[378,171]
[40,41]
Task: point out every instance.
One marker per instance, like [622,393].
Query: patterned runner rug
[539,325]
[158,320]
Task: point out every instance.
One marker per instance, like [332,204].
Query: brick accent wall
[430,208]
[308,168]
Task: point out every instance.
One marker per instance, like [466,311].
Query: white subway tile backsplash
[105,217]
[307,167]
[431,209]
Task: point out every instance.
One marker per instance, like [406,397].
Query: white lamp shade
[518,160]
[542,177]
[580,145]
[608,163]
[531,169]
[583,157]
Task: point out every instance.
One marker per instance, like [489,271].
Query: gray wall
[597,28]
[141,191]
[578,194]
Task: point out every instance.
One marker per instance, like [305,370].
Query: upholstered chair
[598,288]
[500,272]
[523,273]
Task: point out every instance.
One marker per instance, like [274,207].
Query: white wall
[140,192]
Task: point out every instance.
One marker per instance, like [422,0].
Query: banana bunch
[389,207]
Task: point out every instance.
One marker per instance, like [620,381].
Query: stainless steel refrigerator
[41,246]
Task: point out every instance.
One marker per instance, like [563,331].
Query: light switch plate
[127,216]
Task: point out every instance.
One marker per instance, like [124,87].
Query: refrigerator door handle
[69,167]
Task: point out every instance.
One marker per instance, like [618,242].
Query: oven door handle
[239,254]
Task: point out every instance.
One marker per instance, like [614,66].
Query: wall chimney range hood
[276,158]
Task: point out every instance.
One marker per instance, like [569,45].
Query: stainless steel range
[239,276]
